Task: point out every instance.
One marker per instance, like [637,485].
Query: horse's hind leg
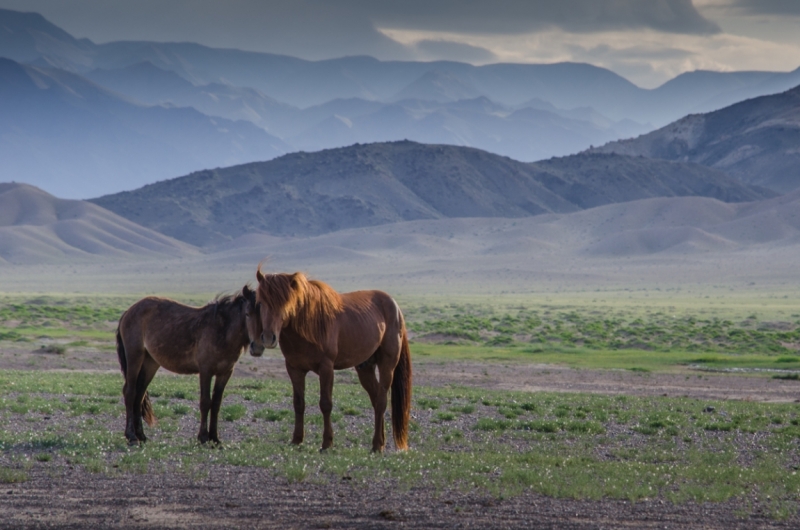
[216,401]
[368,379]
[298,378]
[146,374]
[205,406]
[133,410]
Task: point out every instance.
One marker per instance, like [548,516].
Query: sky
[646,41]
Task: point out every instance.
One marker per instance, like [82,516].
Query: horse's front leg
[298,378]
[216,401]
[205,405]
[326,403]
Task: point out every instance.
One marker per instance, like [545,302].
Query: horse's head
[252,319]
[279,296]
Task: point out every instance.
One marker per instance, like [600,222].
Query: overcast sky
[647,41]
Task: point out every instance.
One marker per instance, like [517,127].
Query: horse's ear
[246,291]
[296,280]
[259,275]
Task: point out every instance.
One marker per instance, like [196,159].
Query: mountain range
[180,107]
[535,131]
[31,38]
[304,194]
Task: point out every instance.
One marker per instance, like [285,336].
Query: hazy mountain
[526,134]
[439,86]
[149,84]
[29,37]
[704,91]
[304,194]
[756,141]
[36,227]
[67,134]
[440,115]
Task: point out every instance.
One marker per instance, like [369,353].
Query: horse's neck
[312,321]
[234,328]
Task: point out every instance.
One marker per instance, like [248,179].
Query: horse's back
[164,328]
[154,310]
[373,304]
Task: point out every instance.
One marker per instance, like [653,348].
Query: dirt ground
[237,497]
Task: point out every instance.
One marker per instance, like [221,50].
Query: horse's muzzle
[270,342]
[256,350]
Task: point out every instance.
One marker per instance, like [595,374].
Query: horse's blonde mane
[308,306]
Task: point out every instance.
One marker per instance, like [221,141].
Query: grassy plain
[563,445]
[504,443]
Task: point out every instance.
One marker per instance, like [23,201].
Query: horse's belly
[354,354]
[184,368]
[173,360]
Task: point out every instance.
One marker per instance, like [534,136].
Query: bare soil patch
[242,497]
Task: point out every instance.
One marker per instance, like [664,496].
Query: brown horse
[321,331]
[157,332]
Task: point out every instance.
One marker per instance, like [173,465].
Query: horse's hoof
[133,443]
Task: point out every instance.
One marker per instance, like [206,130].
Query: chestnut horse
[321,331]
[157,332]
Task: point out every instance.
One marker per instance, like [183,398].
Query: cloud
[768,7]
[525,16]
[317,29]
[454,51]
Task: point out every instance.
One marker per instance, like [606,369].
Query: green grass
[232,412]
[496,442]
[633,330]
[582,331]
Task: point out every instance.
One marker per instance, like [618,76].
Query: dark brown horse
[321,331]
[157,332]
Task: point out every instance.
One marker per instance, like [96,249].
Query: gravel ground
[236,497]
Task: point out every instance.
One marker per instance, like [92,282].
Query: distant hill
[77,139]
[36,227]
[756,141]
[669,228]
[305,194]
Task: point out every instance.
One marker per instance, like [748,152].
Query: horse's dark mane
[223,304]
[308,305]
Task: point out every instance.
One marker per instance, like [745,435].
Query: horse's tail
[123,361]
[147,408]
[401,396]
